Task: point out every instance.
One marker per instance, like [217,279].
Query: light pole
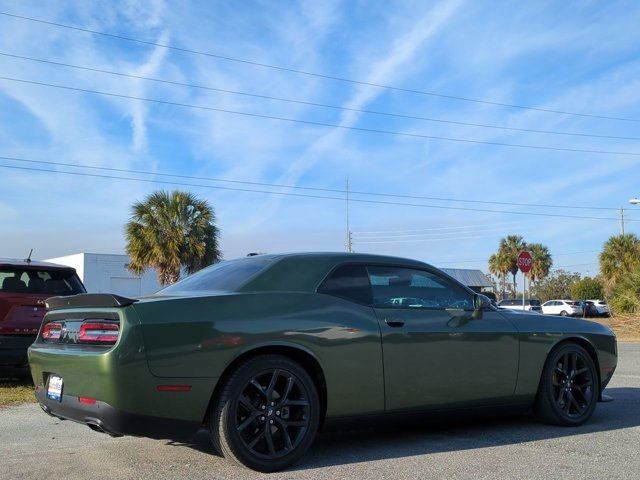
[632,201]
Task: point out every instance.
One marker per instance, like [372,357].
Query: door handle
[394,322]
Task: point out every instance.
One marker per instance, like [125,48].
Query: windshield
[47,282]
[535,303]
[226,276]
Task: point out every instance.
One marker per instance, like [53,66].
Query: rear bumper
[13,350]
[103,417]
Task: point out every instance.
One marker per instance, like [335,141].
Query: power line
[455,227]
[575,265]
[314,104]
[419,240]
[308,73]
[488,254]
[321,124]
[318,189]
[393,236]
[303,195]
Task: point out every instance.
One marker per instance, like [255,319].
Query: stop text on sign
[525,261]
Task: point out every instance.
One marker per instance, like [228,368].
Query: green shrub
[625,296]
[587,289]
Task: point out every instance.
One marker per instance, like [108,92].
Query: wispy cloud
[384,70]
[139,108]
[559,57]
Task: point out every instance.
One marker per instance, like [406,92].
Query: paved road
[35,446]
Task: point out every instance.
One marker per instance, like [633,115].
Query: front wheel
[563,313]
[267,414]
[568,390]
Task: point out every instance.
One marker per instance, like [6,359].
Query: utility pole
[349,243]
[621,221]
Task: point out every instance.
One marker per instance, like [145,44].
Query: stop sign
[525,261]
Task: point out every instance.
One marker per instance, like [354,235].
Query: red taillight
[98,332]
[87,400]
[52,331]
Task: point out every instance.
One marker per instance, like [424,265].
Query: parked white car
[601,306]
[562,307]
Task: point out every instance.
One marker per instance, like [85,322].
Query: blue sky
[568,56]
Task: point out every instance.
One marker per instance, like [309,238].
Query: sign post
[525,262]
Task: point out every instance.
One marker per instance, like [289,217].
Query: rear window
[575,304]
[44,282]
[226,276]
[350,282]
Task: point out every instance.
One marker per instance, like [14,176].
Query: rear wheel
[568,390]
[266,415]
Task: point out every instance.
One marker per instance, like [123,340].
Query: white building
[106,273]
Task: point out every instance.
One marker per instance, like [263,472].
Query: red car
[24,287]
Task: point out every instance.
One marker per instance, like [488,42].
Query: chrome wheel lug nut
[271,422]
[278,412]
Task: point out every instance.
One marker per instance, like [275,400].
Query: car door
[433,354]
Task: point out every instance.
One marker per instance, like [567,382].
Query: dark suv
[24,287]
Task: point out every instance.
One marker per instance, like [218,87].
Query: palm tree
[619,257]
[511,246]
[499,265]
[169,231]
[542,261]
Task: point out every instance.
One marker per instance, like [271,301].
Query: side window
[398,287]
[350,282]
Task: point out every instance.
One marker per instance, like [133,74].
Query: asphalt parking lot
[36,446]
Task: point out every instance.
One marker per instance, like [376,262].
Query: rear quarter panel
[539,334]
[118,376]
[201,336]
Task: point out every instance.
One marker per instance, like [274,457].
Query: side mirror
[458,316]
[480,303]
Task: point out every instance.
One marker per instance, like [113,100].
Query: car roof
[305,271]
[343,257]
[33,264]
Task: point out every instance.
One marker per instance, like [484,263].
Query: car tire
[266,415]
[563,313]
[569,387]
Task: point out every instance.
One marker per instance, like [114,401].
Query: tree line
[175,232]
[618,281]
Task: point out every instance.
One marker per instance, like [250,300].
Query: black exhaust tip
[96,426]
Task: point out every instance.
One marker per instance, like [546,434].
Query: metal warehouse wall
[107,273]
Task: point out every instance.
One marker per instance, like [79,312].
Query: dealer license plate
[54,390]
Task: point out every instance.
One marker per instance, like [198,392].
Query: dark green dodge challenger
[263,351]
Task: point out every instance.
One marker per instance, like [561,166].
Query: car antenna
[28,259]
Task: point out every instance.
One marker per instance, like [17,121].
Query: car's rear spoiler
[88,300]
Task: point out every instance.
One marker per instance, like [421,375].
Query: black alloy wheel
[272,413]
[569,387]
[267,415]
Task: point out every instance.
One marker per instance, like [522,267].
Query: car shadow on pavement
[404,438]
